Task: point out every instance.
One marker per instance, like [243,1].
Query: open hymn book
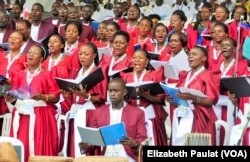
[172,91]
[172,68]
[103,136]
[104,51]
[153,87]
[90,81]
[23,93]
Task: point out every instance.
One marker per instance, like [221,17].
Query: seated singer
[119,111]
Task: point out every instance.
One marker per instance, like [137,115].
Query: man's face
[3,19]
[205,13]
[118,10]
[116,92]
[55,8]
[22,28]
[87,12]
[73,13]
[36,13]
[16,11]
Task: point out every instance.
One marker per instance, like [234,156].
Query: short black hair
[62,40]
[120,80]
[224,26]
[77,24]
[147,18]
[26,22]
[122,33]
[115,24]
[202,49]
[233,41]
[21,6]
[181,14]
[182,37]
[156,26]
[94,47]
[40,6]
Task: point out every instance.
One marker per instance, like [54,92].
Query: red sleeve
[192,36]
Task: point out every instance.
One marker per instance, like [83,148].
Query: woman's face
[139,61]
[55,45]
[218,33]
[133,13]
[161,34]
[145,27]
[110,31]
[196,58]
[120,45]
[176,23]
[101,31]
[34,56]
[205,13]
[175,43]
[15,41]
[71,33]
[86,56]
[238,13]
[227,48]
[220,14]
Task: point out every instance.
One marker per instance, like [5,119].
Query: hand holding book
[10,98]
[82,92]
[128,141]
[84,146]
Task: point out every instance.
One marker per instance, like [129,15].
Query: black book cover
[239,86]
[154,88]
[91,80]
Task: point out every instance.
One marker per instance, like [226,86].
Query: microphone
[244,129]
[146,141]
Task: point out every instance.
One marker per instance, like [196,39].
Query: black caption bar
[180,153]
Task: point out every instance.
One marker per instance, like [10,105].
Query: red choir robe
[50,21]
[164,54]
[233,33]
[119,66]
[73,56]
[159,131]
[28,45]
[99,90]
[241,71]
[7,32]
[17,66]
[88,33]
[204,117]
[133,32]
[192,36]
[213,62]
[134,120]
[120,20]
[45,135]
[61,70]
[144,44]
[45,30]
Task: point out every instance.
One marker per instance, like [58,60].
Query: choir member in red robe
[81,101]
[11,63]
[33,119]
[155,123]
[199,116]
